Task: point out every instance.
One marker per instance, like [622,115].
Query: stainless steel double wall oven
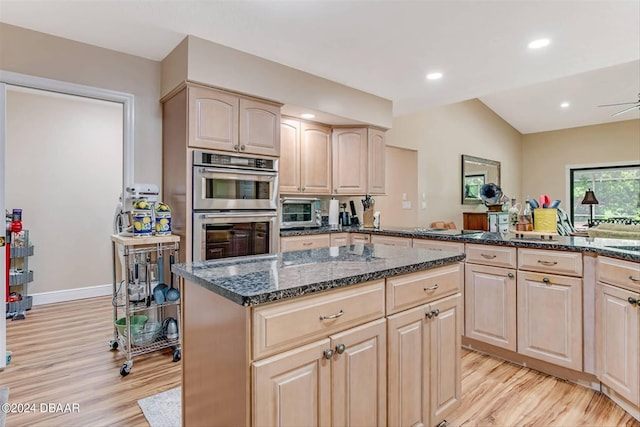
[235,202]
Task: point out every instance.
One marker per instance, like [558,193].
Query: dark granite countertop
[260,279]
[617,248]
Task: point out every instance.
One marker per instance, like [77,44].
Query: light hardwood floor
[60,355]
[499,393]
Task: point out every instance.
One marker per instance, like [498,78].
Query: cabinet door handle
[543,262]
[328,353]
[433,288]
[242,147]
[546,280]
[332,316]
[303,188]
[432,313]
[335,190]
[635,279]
[632,301]
[340,348]
[487,256]
[510,276]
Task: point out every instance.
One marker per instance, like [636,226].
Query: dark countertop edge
[479,238]
[309,289]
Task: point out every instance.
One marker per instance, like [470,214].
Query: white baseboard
[71,294]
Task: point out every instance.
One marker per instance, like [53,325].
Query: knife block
[367,218]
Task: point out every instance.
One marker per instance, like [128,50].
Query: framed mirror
[475,173]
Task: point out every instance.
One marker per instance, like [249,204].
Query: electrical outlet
[406,205]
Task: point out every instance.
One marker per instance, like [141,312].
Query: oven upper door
[229,234]
[220,188]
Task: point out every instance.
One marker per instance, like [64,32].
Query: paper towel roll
[333,212]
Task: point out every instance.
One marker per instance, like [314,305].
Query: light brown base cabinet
[564,310]
[490,305]
[337,381]
[298,363]
[424,362]
[618,332]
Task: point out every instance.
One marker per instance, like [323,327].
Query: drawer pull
[635,279]
[332,316]
[546,281]
[487,256]
[307,244]
[543,262]
[433,288]
[633,301]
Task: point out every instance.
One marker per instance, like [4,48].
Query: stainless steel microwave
[300,212]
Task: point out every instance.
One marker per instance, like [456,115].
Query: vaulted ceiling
[387,47]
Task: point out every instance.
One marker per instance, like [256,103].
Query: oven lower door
[230,234]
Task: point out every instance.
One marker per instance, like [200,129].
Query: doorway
[64,170]
[126,100]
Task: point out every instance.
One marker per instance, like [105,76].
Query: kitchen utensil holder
[367,218]
[545,220]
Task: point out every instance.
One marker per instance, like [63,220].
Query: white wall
[64,170]
[441,135]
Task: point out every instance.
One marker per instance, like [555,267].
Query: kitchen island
[568,307]
[333,336]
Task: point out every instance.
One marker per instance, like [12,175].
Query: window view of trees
[616,188]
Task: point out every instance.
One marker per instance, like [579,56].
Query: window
[617,189]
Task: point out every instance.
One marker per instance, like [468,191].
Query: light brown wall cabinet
[350,161]
[376,165]
[305,159]
[618,330]
[358,161]
[490,295]
[224,121]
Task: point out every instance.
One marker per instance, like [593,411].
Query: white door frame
[16,79]
[3,271]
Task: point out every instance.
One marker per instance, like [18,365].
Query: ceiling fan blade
[622,103]
[626,109]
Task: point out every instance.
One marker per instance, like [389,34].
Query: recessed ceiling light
[565,105]
[308,116]
[434,76]
[537,44]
